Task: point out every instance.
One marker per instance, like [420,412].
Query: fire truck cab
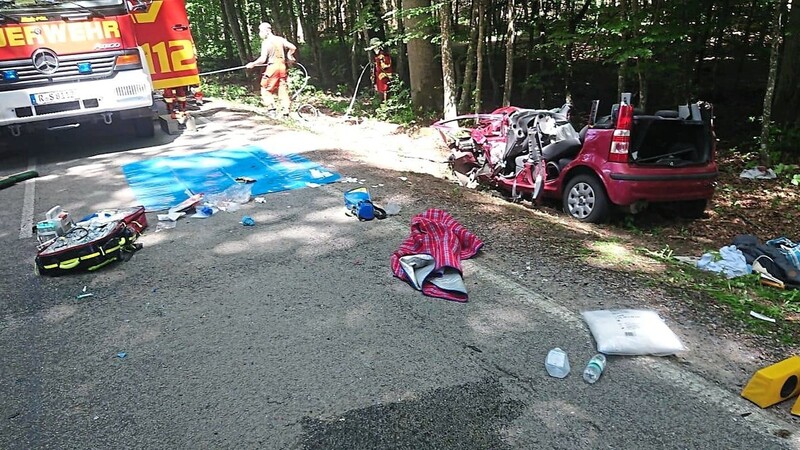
[68,62]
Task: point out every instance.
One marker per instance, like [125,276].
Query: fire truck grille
[130,90]
[100,65]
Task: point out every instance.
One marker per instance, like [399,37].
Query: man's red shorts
[274,75]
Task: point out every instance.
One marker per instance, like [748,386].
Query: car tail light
[621,141]
[128,61]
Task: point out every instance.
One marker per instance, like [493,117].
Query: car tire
[143,127]
[585,199]
[694,209]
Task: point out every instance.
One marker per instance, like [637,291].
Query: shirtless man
[274,79]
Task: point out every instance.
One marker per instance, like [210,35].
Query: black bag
[771,258]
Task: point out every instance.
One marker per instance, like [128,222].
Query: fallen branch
[699,240]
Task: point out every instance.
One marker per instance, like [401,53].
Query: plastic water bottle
[557,363]
[595,368]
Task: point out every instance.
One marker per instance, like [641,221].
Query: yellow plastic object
[775,383]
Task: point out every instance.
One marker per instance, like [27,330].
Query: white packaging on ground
[230,199]
[392,209]
[632,332]
[557,363]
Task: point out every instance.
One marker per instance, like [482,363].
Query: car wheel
[143,127]
[585,199]
[694,209]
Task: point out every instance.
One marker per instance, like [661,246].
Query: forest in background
[461,56]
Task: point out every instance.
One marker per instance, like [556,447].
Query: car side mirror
[136,6]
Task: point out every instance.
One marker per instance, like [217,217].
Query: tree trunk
[339,23]
[355,54]
[309,20]
[424,72]
[292,33]
[226,32]
[277,20]
[741,43]
[642,103]
[236,31]
[700,42]
[373,19]
[245,27]
[466,86]
[542,37]
[448,69]
[787,91]
[401,67]
[491,54]
[479,51]
[510,38]
[766,119]
[719,39]
[621,70]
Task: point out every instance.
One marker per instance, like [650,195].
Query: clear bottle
[595,368]
[557,363]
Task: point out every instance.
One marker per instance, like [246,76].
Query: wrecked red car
[625,160]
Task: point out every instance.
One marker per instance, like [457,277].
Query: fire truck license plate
[46,98]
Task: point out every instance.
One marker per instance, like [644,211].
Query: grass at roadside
[731,299]
[397,109]
[737,297]
[765,208]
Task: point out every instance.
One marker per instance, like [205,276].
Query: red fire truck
[68,62]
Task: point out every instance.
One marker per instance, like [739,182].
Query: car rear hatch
[673,138]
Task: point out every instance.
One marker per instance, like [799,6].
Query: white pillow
[632,332]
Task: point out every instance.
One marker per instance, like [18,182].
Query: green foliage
[219,88]
[783,141]
[397,108]
[781,144]
[786,170]
[665,254]
[335,104]
[629,222]
[683,50]
[296,80]
[428,22]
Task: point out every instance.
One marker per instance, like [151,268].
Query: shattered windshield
[27,6]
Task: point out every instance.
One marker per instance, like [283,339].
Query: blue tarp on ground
[163,182]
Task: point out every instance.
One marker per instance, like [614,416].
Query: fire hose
[231,69]
[353,100]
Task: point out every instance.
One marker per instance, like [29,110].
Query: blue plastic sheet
[163,182]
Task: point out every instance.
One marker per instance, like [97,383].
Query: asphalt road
[293,334]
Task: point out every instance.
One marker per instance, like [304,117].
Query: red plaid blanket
[440,242]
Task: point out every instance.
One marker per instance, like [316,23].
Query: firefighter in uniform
[382,68]
[175,98]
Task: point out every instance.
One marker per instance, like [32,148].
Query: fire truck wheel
[143,126]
